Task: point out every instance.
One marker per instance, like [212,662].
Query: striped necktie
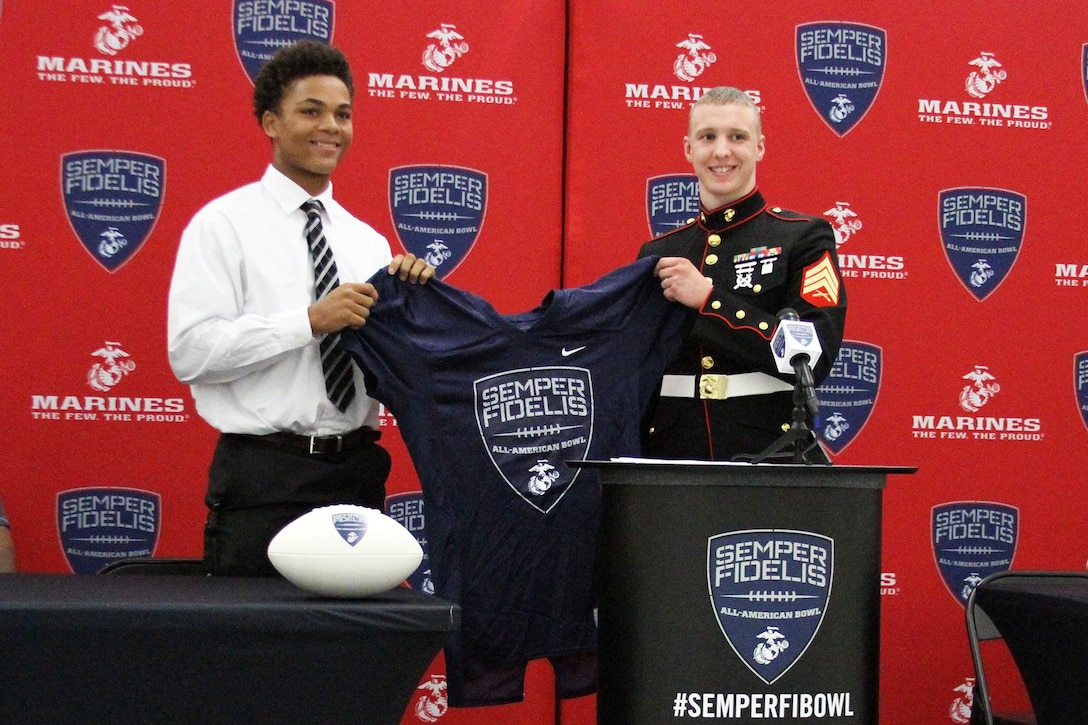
[335,363]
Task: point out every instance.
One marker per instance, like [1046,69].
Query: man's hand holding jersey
[349,304]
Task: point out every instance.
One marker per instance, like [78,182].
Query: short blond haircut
[724,95]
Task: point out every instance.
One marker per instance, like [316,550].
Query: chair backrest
[980,629]
[141,565]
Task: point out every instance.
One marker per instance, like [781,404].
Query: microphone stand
[805,445]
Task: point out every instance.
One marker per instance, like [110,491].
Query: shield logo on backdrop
[1080,384]
[1084,69]
[971,540]
[438,212]
[770,620]
[112,200]
[848,394]
[531,421]
[407,509]
[260,29]
[100,525]
[842,68]
[672,201]
[982,231]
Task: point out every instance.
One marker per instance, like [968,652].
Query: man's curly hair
[299,60]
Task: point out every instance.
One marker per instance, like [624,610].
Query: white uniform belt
[718,386]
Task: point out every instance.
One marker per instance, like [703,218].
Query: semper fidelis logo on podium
[770,589]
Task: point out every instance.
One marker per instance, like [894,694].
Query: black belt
[317,445]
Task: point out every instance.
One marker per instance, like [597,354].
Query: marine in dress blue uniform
[491,407]
[722,396]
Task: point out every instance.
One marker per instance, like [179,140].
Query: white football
[345,551]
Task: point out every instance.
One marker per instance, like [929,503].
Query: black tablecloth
[181,649]
[1043,617]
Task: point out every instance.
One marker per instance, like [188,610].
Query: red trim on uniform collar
[733,214]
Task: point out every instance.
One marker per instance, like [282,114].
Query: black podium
[739,593]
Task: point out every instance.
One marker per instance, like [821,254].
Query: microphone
[796,348]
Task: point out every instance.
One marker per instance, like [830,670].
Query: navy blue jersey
[491,407]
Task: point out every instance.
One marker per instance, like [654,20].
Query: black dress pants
[255,489]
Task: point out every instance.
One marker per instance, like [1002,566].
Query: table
[193,649]
[1043,617]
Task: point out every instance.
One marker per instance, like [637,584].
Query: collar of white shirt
[289,195]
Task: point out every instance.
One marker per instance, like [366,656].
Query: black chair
[149,565]
[981,630]
[1042,617]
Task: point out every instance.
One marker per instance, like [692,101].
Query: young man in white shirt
[245,329]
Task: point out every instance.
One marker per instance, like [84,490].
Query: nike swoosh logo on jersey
[568,353]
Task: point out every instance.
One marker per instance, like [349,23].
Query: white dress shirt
[238,328]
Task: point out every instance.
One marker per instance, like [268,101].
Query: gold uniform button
[708,362]
[691,220]
[652,430]
[713,240]
[763,325]
[757,288]
[740,314]
[716,304]
[776,209]
[712,259]
[709,279]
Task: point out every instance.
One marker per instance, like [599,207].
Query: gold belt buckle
[714,386]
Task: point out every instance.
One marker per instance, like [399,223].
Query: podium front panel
[739,593]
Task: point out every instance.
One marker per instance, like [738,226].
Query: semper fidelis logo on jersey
[262,28]
[407,509]
[1080,384]
[531,421]
[672,201]
[842,68]
[848,394]
[100,525]
[770,589]
[982,231]
[438,212]
[971,540]
[112,200]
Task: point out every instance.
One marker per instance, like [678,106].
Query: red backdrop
[952,170]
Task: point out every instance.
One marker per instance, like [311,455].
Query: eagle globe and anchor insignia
[531,421]
[770,589]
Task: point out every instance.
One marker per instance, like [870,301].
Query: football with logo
[345,551]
